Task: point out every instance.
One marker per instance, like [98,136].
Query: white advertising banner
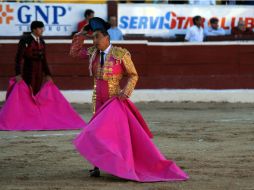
[168,20]
[59,19]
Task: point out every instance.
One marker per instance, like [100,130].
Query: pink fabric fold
[47,110]
[117,140]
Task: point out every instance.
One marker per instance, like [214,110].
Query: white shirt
[195,34]
[209,31]
[202,2]
[106,51]
[115,34]
[37,39]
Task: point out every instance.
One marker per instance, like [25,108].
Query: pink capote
[117,141]
[47,110]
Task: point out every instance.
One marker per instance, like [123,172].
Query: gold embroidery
[118,52]
[94,97]
[110,63]
[107,70]
[121,56]
[114,87]
[100,71]
[132,74]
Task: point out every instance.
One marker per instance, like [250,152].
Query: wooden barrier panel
[160,65]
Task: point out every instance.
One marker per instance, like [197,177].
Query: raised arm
[132,74]
[77,46]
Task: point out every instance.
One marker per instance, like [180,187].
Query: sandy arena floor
[212,142]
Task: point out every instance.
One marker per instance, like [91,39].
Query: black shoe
[95,172]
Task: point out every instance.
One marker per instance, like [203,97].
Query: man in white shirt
[196,32]
[202,2]
[114,32]
[214,29]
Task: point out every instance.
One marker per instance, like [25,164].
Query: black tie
[102,58]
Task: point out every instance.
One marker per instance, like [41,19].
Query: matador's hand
[122,96]
[49,78]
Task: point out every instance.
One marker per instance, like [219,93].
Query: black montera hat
[97,23]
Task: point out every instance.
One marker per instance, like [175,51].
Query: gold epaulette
[118,52]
